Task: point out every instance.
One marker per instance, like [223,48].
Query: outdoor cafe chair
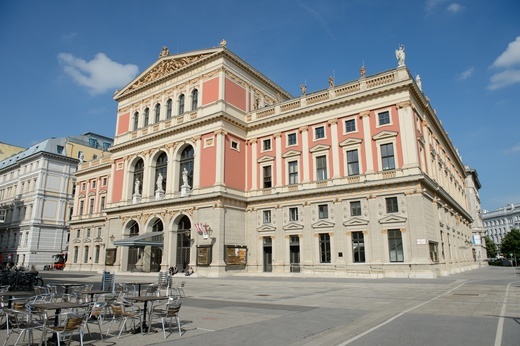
[123,312]
[21,323]
[180,288]
[169,311]
[73,323]
[96,314]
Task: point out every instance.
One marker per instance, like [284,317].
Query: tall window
[102,203]
[391,205]
[76,252]
[81,207]
[194,99]
[169,108]
[157,112]
[267,216]
[96,254]
[321,167]
[136,121]
[266,144]
[293,172]
[355,208]
[325,255]
[293,214]
[384,118]
[85,255]
[395,245]
[138,176]
[353,162]
[323,211]
[181,103]
[387,156]
[187,162]
[350,125]
[319,132]
[267,175]
[161,168]
[91,206]
[358,247]
[146,116]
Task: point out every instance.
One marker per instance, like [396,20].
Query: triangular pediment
[266,228]
[81,195]
[392,219]
[165,66]
[319,147]
[266,158]
[350,141]
[292,153]
[384,135]
[292,225]
[86,240]
[323,224]
[355,221]
[98,240]
[77,240]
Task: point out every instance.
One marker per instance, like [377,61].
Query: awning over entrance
[147,239]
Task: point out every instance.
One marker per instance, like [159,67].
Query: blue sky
[61,61]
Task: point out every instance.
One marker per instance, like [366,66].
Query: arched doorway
[133,251]
[183,243]
[156,251]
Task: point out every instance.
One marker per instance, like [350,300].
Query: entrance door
[183,244]
[156,257]
[133,257]
[294,249]
[268,254]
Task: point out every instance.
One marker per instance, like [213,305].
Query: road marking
[398,315]
[500,325]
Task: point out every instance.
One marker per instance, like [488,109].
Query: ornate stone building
[214,166]
[499,222]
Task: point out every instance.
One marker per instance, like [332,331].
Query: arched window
[194,99]
[181,103]
[169,109]
[157,226]
[138,176]
[186,163]
[146,116]
[161,168]
[133,228]
[157,112]
[136,121]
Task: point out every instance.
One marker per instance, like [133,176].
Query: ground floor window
[325,255]
[358,247]
[434,251]
[395,245]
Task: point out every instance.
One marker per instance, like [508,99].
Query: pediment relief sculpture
[292,225]
[323,224]
[393,219]
[355,221]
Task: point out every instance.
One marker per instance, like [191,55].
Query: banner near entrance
[202,230]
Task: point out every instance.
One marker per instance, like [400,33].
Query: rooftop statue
[400,55]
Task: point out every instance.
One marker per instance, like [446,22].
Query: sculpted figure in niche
[159,181]
[137,186]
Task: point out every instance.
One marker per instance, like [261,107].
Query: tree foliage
[491,247]
[511,244]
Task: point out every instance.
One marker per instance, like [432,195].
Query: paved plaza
[479,307]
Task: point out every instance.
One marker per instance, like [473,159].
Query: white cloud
[466,74]
[515,149]
[511,56]
[454,8]
[504,78]
[99,74]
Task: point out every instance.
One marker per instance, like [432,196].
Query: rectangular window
[266,144]
[434,251]
[102,203]
[384,118]
[76,252]
[358,247]
[93,184]
[350,125]
[293,214]
[78,233]
[99,232]
[81,206]
[267,216]
[88,232]
[387,156]
[106,145]
[395,245]
[234,145]
[83,186]
[104,182]
[267,177]
[353,162]
[85,257]
[91,206]
[319,132]
[355,208]
[321,167]
[293,172]
[96,255]
[391,205]
[323,211]
[325,255]
[60,149]
[93,143]
[291,139]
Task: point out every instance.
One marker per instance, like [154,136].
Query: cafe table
[145,300]
[93,292]
[138,284]
[66,286]
[16,294]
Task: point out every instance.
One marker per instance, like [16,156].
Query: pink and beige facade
[216,167]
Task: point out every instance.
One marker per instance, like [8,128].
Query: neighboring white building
[500,222]
[477,227]
[36,197]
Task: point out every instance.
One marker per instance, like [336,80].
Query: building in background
[214,166]
[7,150]
[474,209]
[37,194]
[501,221]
